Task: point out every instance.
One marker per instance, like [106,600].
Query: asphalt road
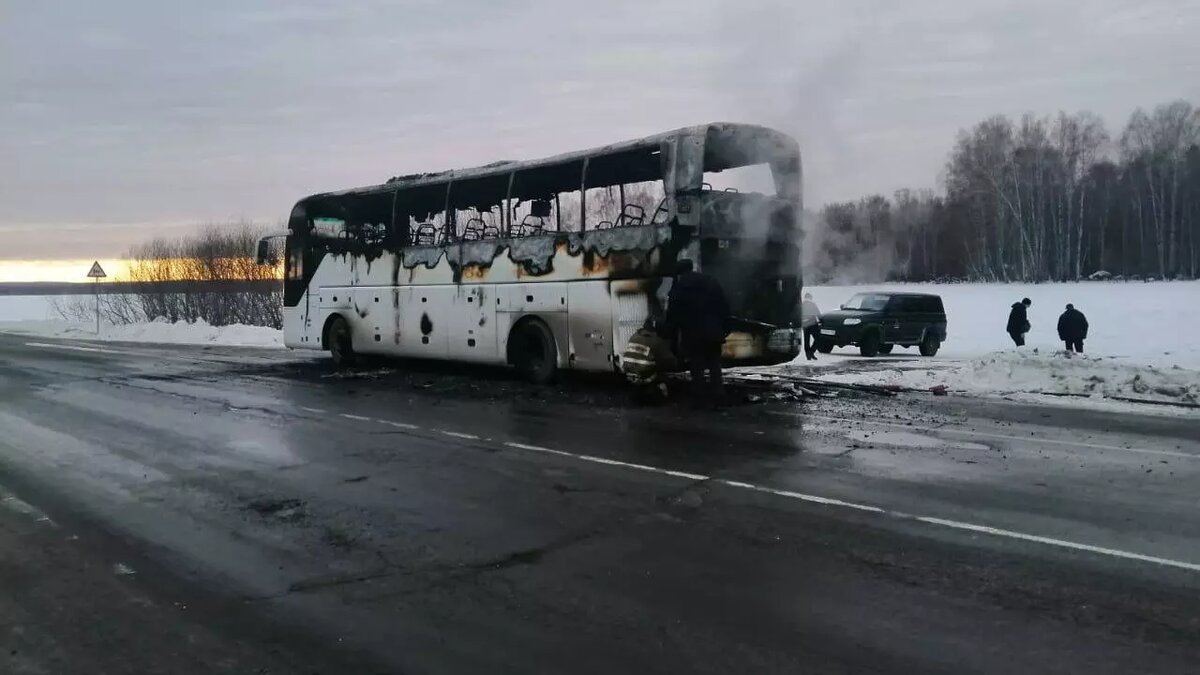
[253,511]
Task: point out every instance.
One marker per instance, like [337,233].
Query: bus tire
[340,342]
[532,350]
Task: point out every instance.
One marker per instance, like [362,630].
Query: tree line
[209,275]
[1040,198]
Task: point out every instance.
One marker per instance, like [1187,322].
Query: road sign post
[97,273]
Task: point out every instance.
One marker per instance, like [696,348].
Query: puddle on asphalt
[908,439]
[894,438]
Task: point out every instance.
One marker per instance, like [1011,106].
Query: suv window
[905,304]
[931,305]
[868,301]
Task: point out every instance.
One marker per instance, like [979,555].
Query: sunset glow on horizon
[12,271]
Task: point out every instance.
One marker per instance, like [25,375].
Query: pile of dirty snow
[1056,372]
[160,331]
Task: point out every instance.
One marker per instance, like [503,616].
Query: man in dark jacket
[1018,321]
[698,313]
[810,320]
[1072,329]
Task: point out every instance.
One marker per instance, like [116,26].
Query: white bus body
[439,266]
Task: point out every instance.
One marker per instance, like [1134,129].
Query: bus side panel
[426,320]
[473,324]
[297,331]
[590,325]
[539,297]
[371,319]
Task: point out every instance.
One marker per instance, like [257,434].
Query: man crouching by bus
[698,313]
[647,357]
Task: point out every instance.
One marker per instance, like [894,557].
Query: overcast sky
[119,116]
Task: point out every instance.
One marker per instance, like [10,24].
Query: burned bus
[550,264]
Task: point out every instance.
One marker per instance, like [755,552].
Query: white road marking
[316,411]
[984,434]
[609,462]
[75,348]
[400,425]
[838,503]
[1116,553]
[803,497]
[456,434]
[358,418]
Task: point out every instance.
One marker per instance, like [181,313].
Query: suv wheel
[824,346]
[870,343]
[885,349]
[930,345]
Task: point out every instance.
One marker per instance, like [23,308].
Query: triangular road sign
[97,272]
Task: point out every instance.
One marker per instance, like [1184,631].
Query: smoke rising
[795,71]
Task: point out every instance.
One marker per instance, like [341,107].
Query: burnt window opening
[627,205]
[476,210]
[625,189]
[369,219]
[764,163]
[603,208]
[756,179]
[532,217]
[357,223]
[546,199]
[421,215]
[568,207]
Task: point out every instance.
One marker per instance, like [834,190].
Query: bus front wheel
[341,346]
[531,349]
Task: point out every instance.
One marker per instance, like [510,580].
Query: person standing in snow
[1072,329]
[1018,321]
[810,321]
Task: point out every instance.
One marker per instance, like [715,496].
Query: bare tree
[207,276]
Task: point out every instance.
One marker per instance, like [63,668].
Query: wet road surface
[412,518]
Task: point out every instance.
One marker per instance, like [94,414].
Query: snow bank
[1040,373]
[160,331]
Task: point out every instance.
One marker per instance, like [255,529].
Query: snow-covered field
[1153,323]
[1142,342]
[28,307]
[34,315]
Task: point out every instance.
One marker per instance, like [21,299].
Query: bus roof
[765,145]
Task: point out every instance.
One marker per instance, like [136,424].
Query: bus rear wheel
[531,349]
[341,346]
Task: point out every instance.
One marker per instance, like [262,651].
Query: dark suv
[878,321]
